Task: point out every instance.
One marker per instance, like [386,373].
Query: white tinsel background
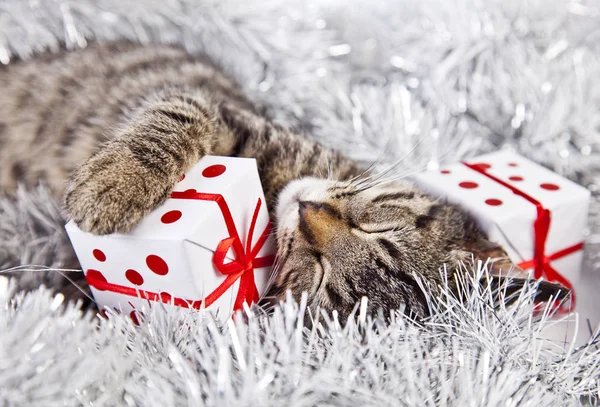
[430,80]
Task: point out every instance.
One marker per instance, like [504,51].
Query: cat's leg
[134,173]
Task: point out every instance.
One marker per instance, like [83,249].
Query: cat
[111,128]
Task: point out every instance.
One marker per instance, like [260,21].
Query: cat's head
[340,241]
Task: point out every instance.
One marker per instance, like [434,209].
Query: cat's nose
[319,222]
[306,207]
[303,205]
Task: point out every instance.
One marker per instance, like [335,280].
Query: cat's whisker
[367,170]
[329,169]
[375,182]
[371,173]
[269,297]
[276,265]
[267,308]
[374,164]
[386,150]
[274,273]
[400,160]
[61,271]
[451,147]
[24,268]
[319,172]
[392,179]
[371,182]
[394,165]
[77,286]
[379,159]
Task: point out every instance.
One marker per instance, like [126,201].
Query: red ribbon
[241,268]
[541,226]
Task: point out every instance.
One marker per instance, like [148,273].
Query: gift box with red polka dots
[208,246]
[536,215]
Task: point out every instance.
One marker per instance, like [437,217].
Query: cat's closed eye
[377,228]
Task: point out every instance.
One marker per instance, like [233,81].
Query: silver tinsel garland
[429,80]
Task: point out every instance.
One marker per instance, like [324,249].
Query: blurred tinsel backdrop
[432,81]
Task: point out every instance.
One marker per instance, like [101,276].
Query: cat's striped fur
[112,128]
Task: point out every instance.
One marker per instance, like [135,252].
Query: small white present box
[537,216]
[209,245]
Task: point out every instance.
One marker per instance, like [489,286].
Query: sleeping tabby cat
[112,127]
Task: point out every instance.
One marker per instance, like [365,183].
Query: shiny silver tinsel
[429,80]
[466,355]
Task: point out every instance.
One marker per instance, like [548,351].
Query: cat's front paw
[112,194]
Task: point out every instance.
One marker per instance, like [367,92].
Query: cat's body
[112,128]
[57,110]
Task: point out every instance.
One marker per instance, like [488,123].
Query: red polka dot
[165,297]
[550,187]
[134,317]
[468,185]
[170,217]
[99,255]
[445,171]
[134,277]
[95,275]
[493,202]
[103,313]
[157,265]
[482,166]
[213,171]
[515,178]
[182,177]
[513,165]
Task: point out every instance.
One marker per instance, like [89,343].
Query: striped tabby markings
[114,77]
[394,196]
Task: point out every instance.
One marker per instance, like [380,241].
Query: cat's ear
[508,277]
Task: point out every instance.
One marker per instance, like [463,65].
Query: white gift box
[193,251]
[516,203]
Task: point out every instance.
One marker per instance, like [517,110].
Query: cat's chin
[305,189]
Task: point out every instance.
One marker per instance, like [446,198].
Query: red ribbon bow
[245,262]
[241,268]
[541,226]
